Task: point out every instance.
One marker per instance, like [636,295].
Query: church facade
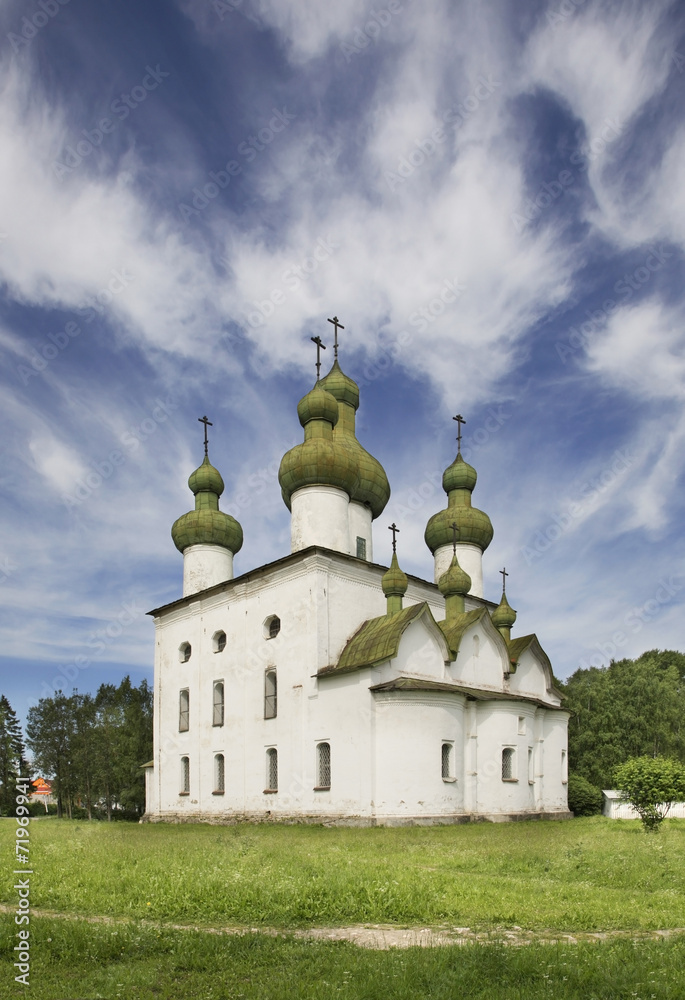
[325,687]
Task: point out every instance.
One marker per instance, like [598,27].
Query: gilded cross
[207,423]
[319,346]
[336,323]
[504,575]
[460,420]
[395,531]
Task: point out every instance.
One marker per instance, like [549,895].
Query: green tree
[12,756]
[651,785]
[50,734]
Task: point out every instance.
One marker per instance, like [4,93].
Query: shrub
[584,799]
[651,784]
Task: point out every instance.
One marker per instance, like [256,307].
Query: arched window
[564,767]
[323,765]
[218,704]
[219,773]
[219,642]
[270,694]
[272,626]
[184,651]
[272,769]
[448,762]
[185,775]
[531,767]
[508,761]
[184,711]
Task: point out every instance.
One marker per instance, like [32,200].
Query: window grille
[447,761]
[274,626]
[219,771]
[323,765]
[219,642]
[185,775]
[185,649]
[272,769]
[184,711]
[361,547]
[218,704]
[508,764]
[270,694]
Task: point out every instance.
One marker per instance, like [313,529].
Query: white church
[325,687]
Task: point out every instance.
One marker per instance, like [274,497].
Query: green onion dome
[455,580]
[504,615]
[373,489]
[394,582]
[207,525]
[319,460]
[475,527]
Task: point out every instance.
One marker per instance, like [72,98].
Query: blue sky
[490,197]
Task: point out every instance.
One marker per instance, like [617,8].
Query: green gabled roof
[378,639]
[454,628]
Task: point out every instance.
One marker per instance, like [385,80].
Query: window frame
[270,697]
[323,767]
[219,641]
[185,775]
[564,767]
[271,771]
[185,651]
[219,774]
[215,704]
[447,745]
[509,754]
[531,765]
[184,713]
[361,545]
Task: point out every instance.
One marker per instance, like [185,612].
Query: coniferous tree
[12,756]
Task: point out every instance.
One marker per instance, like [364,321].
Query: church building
[327,687]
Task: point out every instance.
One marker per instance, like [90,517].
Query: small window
[272,626]
[185,775]
[184,711]
[219,773]
[323,765]
[219,642]
[522,725]
[184,651]
[270,694]
[531,771]
[476,645]
[448,762]
[508,756]
[564,768]
[361,547]
[272,770]
[218,704]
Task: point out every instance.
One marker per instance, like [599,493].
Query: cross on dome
[319,346]
[460,420]
[395,531]
[337,324]
[504,575]
[207,423]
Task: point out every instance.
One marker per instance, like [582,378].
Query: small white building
[326,687]
[615,807]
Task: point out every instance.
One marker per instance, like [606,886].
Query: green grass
[74,960]
[584,874]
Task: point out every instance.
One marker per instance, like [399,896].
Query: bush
[584,799]
[651,784]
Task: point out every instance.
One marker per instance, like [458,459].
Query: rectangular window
[448,762]
[522,725]
[185,775]
[531,768]
[184,711]
[270,694]
[361,547]
[508,762]
[564,767]
[272,770]
[323,765]
[218,704]
[219,773]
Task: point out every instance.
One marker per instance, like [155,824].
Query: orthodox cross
[395,531]
[504,579]
[336,323]
[319,345]
[460,420]
[455,531]
[207,423]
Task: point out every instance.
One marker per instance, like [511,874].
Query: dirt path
[385,936]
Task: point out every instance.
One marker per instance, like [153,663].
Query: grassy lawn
[584,874]
[73,960]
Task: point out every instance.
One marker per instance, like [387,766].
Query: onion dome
[373,488]
[475,527]
[455,580]
[394,585]
[504,616]
[319,460]
[207,525]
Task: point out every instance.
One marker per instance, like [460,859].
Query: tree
[50,732]
[584,799]
[12,762]
[651,785]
